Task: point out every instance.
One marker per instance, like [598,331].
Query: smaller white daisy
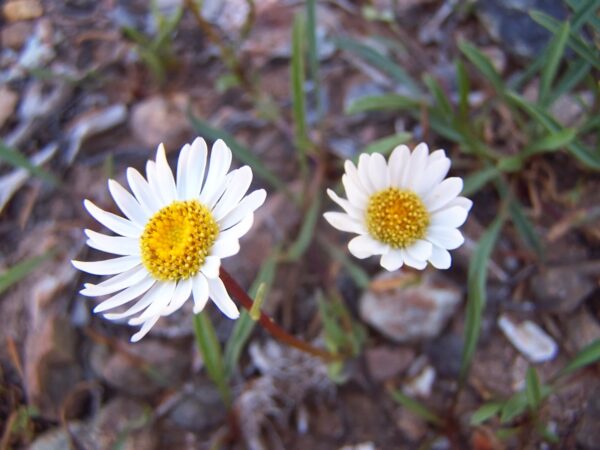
[404,210]
[174,235]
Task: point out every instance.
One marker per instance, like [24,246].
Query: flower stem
[268,324]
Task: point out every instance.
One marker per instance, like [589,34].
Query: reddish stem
[268,324]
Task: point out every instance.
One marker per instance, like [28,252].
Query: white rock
[421,384]
[527,337]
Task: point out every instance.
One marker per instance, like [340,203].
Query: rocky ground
[80,98]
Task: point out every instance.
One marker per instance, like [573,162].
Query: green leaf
[476,296]
[532,389]
[16,159]
[441,100]
[297,83]
[305,236]
[582,48]
[381,62]
[588,355]
[313,52]
[389,102]
[554,53]
[525,227]
[483,64]
[551,142]
[20,270]
[210,349]
[585,156]
[576,72]
[387,144]
[462,79]
[485,412]
[584,11]
[415,407]
[241,152]
[513,407]
[245,324]
[478,179]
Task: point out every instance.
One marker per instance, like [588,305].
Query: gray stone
[387,362]
[406,310]
[561,289]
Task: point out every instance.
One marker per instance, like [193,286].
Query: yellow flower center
[177,239]
[397,217]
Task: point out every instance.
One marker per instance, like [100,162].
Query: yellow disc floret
[177,240]
[397,217]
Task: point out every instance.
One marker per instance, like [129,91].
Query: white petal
[211,266]
[412,262]
[141,304]
[118,245]
[248,205]
[443,193]
[116,283]
[463,202]
[195,168]
[162,297]
[417,164]
[364,246]
[236,189]
[434,174]
[398,164]
[145,329]
[452,217]
[182,172]
[420,250]
[165,175]
[220,161]
[126,295]
[353,210]
[128,204]
[224,248]
[344,222]
[448,238]
[238,230]
[440,258]
[364,173]
[392,260]
[142,191]
[352,173]
[108,266]
[221,298]
[158,194]
[113,222]
[378,171]
[200,291]
[436,155]
[183,290]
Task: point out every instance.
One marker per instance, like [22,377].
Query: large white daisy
[173,237]
[404,210]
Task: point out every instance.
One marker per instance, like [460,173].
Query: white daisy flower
[403,209]
[174,235]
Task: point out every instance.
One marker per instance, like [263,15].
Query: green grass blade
[441,100]
[554,54]
[579,46]
[313,52]
[381,62]
[476,297]
[16,159]
[360,277]
[415,407]
[389,102]
[475,181]
[245,324]
[462,78]
[513,407]
[586,10]
[241,152]
[525,228]
[210,349]
[574,75]
[588,355]
[307,231]
[532,389]
[387,144]
[20,270]
[485,412]
[483,64]
[297,76]
[552,142]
